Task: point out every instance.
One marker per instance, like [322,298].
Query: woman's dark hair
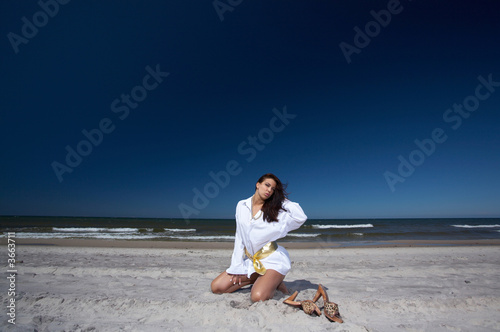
[273,204]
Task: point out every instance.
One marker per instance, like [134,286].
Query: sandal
[308,306]
[331,309]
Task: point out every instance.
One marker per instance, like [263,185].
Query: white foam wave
[342,226]
[180,230]
[200,237]
[303,234]
[94,230]
[80,235]
[357,234]
[476,226]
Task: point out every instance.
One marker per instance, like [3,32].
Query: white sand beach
[61,288]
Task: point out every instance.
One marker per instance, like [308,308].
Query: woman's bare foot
[282,288]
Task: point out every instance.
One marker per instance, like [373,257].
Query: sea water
[222,230]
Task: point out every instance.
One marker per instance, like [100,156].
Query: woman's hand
[236,278]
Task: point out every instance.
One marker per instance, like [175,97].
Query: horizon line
[212,218]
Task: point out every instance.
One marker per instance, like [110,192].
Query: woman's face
[266,188]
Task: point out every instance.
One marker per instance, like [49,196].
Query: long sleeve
[292,218]
[237,266]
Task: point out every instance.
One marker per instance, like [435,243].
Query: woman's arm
[292,218]
[237,266]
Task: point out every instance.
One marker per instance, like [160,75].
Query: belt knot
[265,251]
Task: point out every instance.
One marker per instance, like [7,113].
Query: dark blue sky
[342,133]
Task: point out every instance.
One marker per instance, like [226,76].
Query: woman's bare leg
[265,286]
[282,288]
[223,283]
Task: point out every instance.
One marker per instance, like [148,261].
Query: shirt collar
[248,202]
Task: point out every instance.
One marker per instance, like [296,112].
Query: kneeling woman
[261,220]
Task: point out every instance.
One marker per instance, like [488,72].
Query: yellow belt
[266,250]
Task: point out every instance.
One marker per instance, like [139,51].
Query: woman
[261,220]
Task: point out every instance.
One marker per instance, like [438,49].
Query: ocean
[354,231]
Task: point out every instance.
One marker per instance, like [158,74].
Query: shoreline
[99,243]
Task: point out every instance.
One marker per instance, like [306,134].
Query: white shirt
[253,234]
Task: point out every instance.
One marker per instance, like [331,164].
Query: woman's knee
[215,287]
[259,295]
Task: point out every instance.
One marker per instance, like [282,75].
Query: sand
[418,288]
